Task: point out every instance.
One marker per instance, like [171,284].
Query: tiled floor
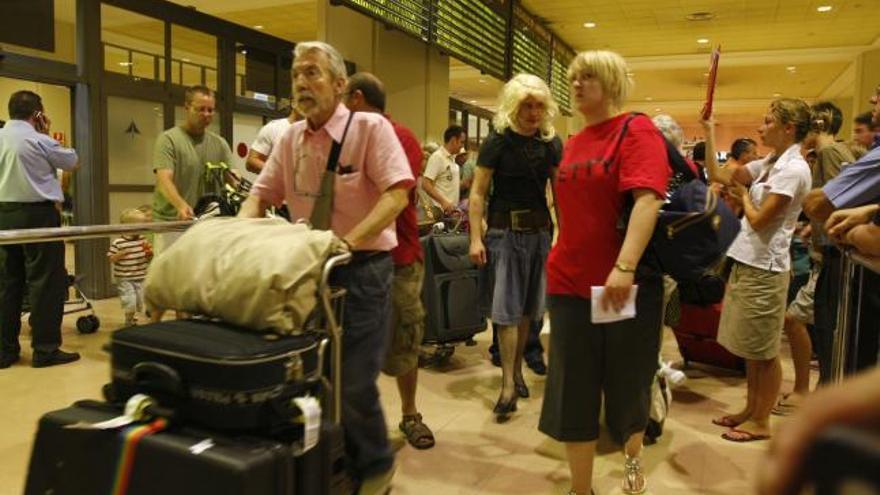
[473,455]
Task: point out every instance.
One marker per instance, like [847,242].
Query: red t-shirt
[590,199]
[409,249]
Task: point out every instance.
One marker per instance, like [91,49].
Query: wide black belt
[520,220]
[28,203]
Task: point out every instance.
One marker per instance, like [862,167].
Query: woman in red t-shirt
[595,181]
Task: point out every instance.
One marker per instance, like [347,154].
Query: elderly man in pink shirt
[371,184]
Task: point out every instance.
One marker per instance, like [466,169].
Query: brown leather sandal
[417,433]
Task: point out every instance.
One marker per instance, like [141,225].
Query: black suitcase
[68,461]
[217,375]
[450,293]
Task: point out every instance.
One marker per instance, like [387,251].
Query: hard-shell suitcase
[177,461]
[450,293]
[216,375]
[697,334]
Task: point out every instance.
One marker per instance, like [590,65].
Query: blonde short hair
[517,90]
[792,111]
[133,215]
[609,68]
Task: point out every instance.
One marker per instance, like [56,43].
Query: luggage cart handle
[334,330]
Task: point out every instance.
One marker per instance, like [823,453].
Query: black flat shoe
[503,409]
[56,357]
[521,389]
[537,365]
[7,360]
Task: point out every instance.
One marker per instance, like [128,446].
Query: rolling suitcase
[216,375]
[450,293]
[176,461]
[697,333]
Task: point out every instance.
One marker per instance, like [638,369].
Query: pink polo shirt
[371,161]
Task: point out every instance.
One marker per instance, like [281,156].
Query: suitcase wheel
[87,324]
[439,357]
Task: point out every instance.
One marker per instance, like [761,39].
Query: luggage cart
[78,303]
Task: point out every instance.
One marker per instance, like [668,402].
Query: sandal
[726,421]
[743,436]
[417,433]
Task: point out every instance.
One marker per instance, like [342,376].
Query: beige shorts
[754,312]
[407,320]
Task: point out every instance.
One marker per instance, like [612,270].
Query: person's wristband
[623,267]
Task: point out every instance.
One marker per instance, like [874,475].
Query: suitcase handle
[157,377]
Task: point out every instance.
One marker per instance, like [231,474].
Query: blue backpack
[694,227]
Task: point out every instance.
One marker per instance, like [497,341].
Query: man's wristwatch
[623,267]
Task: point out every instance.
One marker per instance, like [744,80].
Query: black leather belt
[520,220]
[28,203]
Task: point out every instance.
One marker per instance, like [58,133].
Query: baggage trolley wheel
[443,353]
[88,324]
[438,356]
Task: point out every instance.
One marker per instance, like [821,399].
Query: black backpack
[694,227]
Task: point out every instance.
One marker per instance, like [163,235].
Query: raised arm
[714,171]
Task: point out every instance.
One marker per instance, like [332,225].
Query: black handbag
[694,228]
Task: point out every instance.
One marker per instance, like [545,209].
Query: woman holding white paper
[600,245]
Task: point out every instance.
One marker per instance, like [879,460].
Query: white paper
[598,315]
[311,419]
[135,411]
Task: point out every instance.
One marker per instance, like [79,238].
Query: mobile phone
[40,121]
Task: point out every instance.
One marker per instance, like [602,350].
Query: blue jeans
[365,323]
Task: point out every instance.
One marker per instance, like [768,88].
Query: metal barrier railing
[852,270]
[28,236]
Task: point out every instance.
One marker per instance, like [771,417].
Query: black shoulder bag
[694,228]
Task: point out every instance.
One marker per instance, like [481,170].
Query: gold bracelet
[623,267]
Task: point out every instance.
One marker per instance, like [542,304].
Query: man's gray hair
[670,129]
[337,63]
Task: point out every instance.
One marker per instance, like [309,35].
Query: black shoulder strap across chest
[676,162]
[336,149]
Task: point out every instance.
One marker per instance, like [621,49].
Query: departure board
[473,31]
[559,78]
[531,46]
[410,16]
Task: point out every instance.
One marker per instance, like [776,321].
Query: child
[130,255]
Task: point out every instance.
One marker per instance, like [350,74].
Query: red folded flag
[710,88]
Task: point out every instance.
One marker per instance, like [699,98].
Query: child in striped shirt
[131,255]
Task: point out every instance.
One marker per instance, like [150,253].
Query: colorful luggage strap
[132,436]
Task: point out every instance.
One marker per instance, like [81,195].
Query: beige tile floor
[473,455]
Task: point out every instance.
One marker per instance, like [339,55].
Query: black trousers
[33,269]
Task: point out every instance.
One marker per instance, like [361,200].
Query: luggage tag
[311,419]
[135,411]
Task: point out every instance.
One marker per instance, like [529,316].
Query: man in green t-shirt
[181,155]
